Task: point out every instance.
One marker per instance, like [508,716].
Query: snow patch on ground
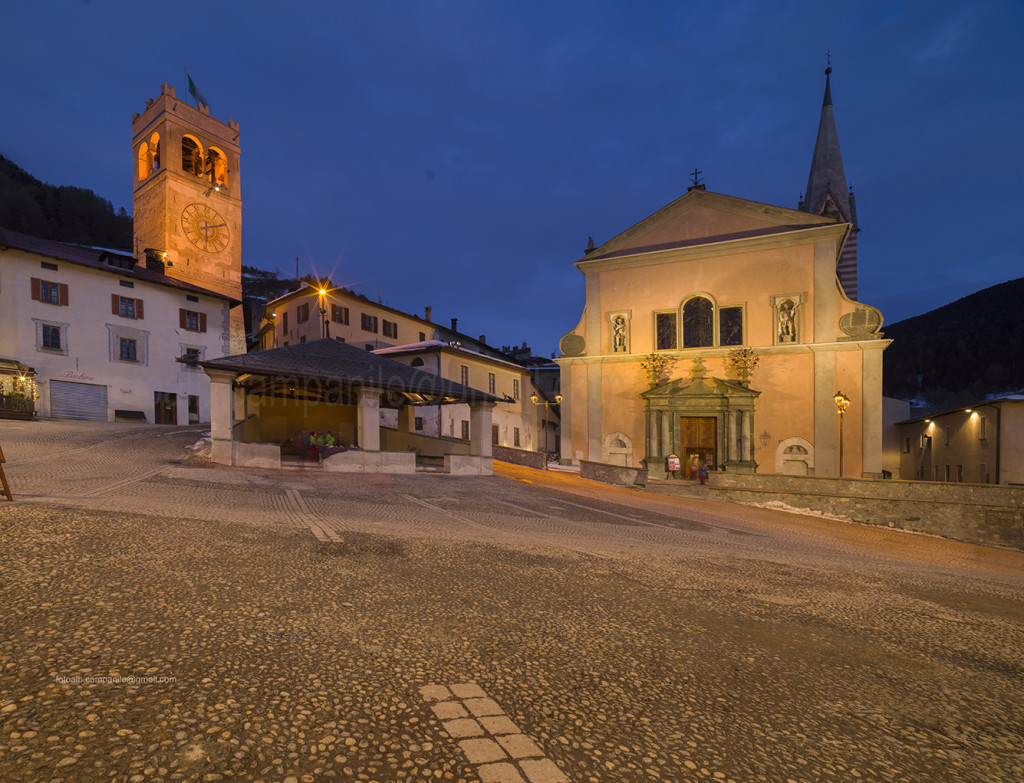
[202,447]
[778,505]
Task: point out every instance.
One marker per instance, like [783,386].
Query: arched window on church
[417,362]
[217,168]
[149,156]
[143,161]
[698,323]
[191,156]
[154,153]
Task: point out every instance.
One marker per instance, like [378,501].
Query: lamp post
[842,403]
[537,401]
[323,312]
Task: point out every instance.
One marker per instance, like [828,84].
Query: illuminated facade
[742,301]
[188,197]
[976,444]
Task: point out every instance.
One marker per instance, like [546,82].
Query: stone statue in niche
[619,334]
[787,322]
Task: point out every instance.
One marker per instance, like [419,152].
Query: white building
[103,334]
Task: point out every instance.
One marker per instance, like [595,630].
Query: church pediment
[702,388]
[699,217]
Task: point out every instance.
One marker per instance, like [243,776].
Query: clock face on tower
[205,228]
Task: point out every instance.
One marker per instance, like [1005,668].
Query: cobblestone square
[167,620]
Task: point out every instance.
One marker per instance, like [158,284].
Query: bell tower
[187,197]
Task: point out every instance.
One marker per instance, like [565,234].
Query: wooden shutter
[37,289]
[115,304]
[138,309]
[202,322]
[62,293]
[181,317]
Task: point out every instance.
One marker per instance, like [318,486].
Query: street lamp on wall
[842,403]
[537,401]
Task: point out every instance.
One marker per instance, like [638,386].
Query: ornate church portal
[711,419]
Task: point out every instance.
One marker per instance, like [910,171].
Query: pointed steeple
[827,192]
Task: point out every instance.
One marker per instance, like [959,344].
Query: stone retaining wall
[976,513]
[531,459]
[613,474]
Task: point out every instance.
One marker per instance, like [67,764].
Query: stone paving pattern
[630,637]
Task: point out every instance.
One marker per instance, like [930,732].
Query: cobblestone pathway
[164,619]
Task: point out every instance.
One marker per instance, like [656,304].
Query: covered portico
[261,401]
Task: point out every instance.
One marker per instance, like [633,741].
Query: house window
[665,331]
[284,325]
[515,437]
[947,443]
[369,323]
[339,314]
[730,326]
[302,313]
[906,443]
[920,472]
[126,307]
[464,375]
[983,428]
[49,292]
[189,357]
[515,388]
[494,434]
[492,383]
[390,329]
[698,323]
[128,352]
[960,473]
[302,338]
[419,423]
[51,337]
[369,346]
[948,474]
[465,430]
[423,337]
[191,321]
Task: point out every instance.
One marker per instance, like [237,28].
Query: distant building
[320,309]
[101,336]
[977,444]
[678,308]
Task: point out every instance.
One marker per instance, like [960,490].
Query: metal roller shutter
[78,401]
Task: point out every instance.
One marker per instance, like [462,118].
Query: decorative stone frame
[40,323]
[794,450]
[141,337]
[617,449]
[184,350]
[613,346]
[779,319]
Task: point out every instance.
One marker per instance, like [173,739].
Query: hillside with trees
[959,353]
[63,213]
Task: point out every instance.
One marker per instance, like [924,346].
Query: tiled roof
[334,361]
[94,258]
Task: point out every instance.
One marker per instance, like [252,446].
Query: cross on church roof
[695,176]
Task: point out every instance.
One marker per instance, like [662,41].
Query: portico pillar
[368,420]
[745,424]
[480,428]
[733,437]
[222,415]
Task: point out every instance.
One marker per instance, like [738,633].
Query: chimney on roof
[426,314]
[483,339]
[455,324]
[155,260]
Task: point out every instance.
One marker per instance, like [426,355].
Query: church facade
[721,330]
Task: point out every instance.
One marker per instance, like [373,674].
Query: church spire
[827,192]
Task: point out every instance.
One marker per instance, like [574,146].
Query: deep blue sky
[458,153]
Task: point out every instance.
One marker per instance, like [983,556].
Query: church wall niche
[618,322]
[787,312]
[794,457]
